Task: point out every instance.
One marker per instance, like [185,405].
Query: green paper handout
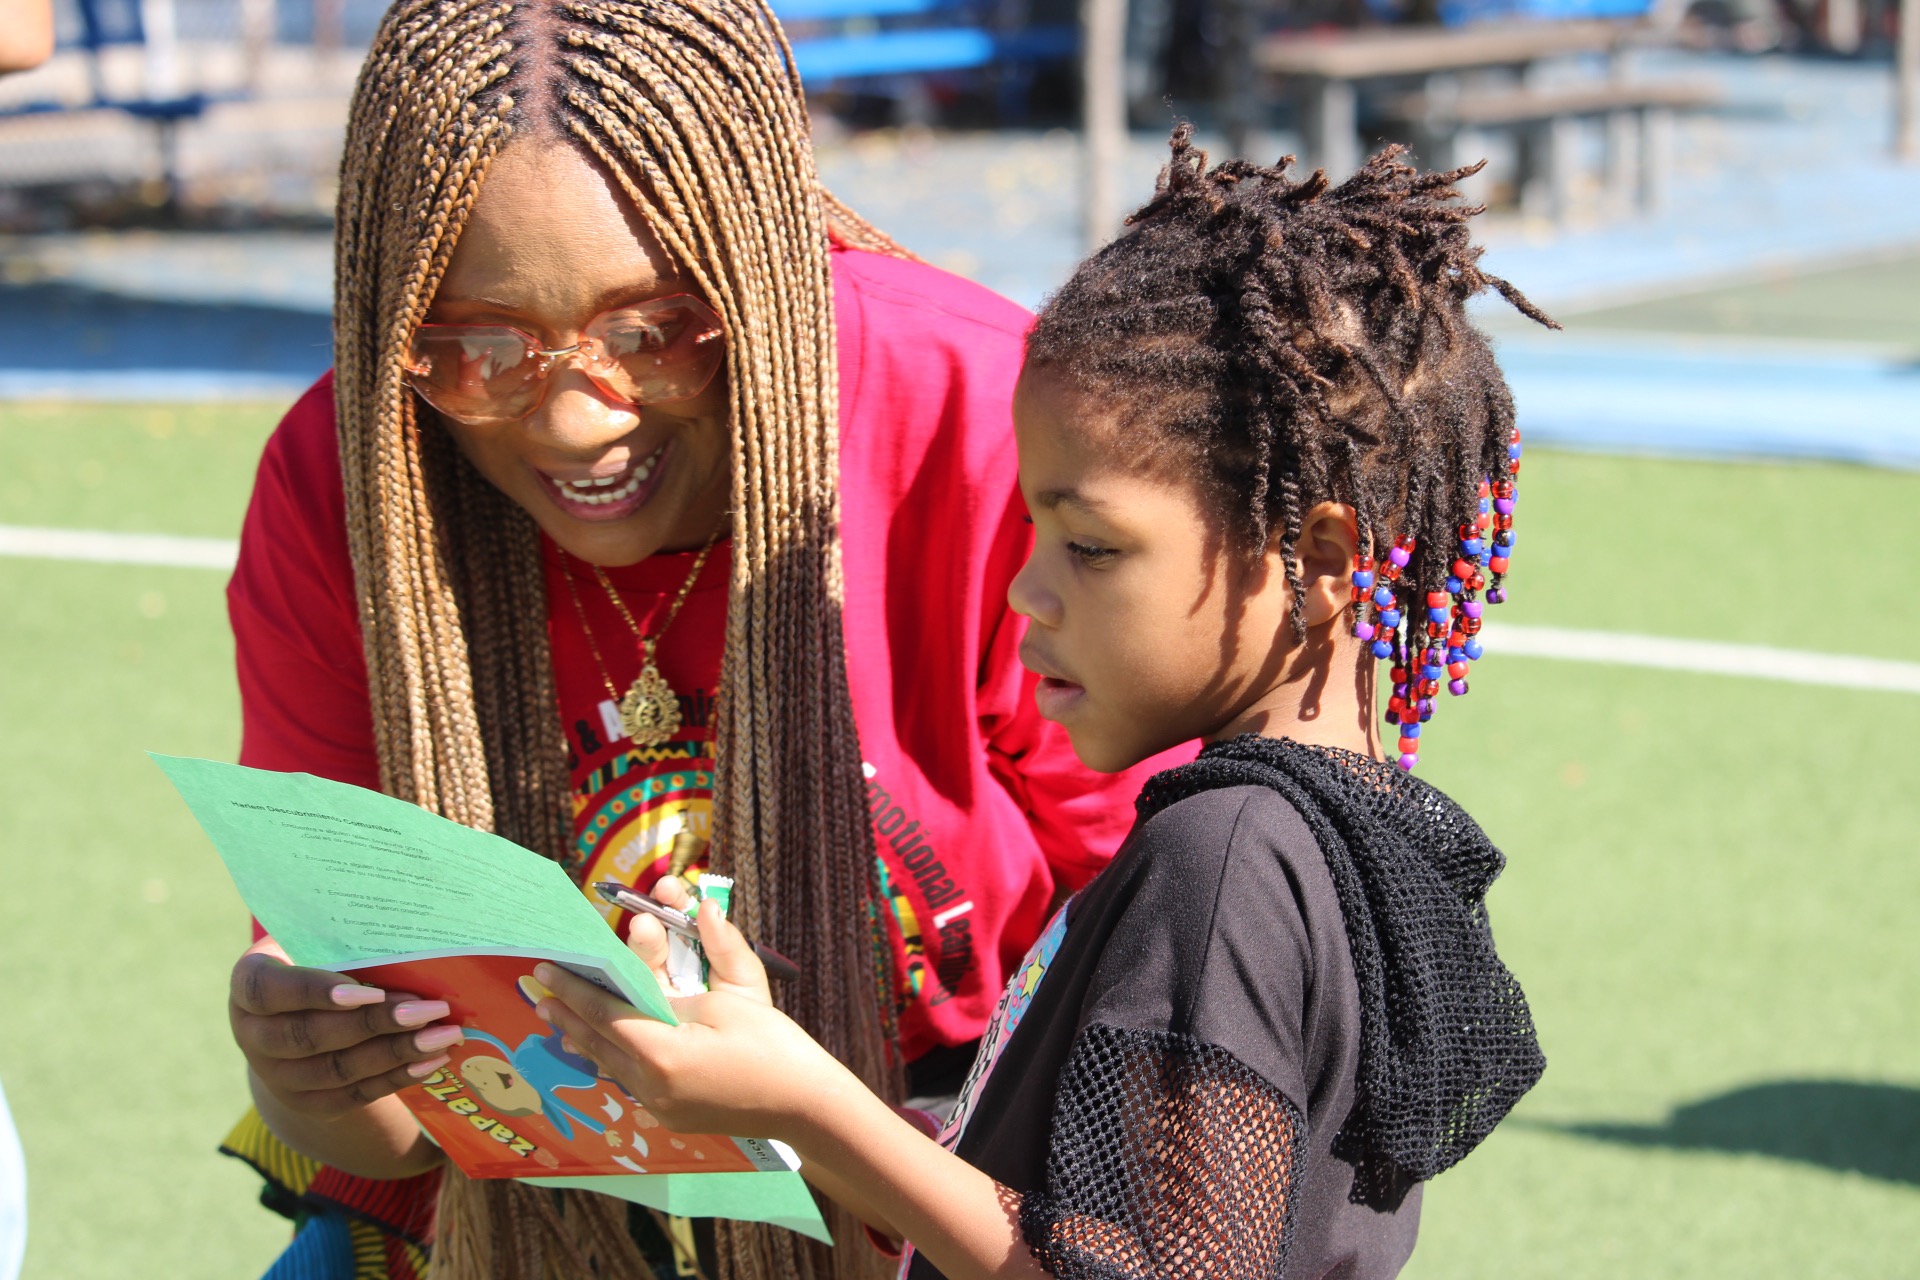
[345,878]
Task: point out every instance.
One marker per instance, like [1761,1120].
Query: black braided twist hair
[1300,342]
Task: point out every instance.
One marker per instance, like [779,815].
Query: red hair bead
[1498,564]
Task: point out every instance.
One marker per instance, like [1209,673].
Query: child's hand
[734,1065]
[731,964]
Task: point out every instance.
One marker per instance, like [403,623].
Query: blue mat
[1661,394]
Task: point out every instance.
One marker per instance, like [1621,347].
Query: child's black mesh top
[1276,1012]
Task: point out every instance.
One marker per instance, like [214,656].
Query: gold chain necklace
[650,713]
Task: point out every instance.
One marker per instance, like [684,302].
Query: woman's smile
[609,495]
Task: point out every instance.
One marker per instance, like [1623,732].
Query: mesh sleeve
[1170,1158]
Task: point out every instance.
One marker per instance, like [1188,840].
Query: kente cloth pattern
[348,1228]
[1169,1159]
[1447,1041]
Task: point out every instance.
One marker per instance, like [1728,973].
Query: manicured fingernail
[351,995]
[438,1038]
[421,1070]
[415,1012]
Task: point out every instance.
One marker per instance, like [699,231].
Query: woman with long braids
[658,512]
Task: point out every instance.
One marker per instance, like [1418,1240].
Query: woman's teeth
[599,492]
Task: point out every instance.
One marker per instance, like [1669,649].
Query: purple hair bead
[1363,631]
[1456,687]
[1496,596]
[1503,505]
[1400,556]
[1472,607]
[1408,761]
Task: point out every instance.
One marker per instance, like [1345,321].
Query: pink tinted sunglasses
[652,352]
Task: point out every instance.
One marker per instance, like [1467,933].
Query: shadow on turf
[1846,1125]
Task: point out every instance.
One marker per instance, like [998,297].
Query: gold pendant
[650,713]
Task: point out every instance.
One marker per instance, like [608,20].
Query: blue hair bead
[1454,586]
[1389,618]
[1437,615]
[1472,649]
[1410,731]
[1432,672]
[1383,598]
[1470,547]
[1363,578]
[1458,655]
[1382,650]
[1513,450]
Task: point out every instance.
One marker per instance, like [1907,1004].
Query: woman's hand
[323,1045]
[735,1064]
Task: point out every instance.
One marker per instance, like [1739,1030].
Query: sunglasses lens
[664,350]
[474,374]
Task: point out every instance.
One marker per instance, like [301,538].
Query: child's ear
[1329,541]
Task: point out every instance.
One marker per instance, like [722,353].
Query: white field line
[1755,662]
[1607,648]
[118,548]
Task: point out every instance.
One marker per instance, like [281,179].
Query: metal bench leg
[1623,160]
[169,140]
[1656,158]
[1237,98]
[1547,151]
[1332,128]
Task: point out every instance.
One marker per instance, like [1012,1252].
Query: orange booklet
[512,1103]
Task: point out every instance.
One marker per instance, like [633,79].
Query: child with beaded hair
[1263,451]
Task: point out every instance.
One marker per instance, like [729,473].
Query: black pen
[778,966]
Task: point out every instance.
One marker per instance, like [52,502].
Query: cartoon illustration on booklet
[357,882]
[514,1104]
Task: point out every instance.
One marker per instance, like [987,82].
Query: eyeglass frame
[549,358]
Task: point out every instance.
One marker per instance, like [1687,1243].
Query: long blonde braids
[694,108]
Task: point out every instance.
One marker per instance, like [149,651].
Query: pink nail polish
[415,1012]
[421,1070]
[351,995]
[437,1038]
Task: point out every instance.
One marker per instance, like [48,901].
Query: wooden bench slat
[1521,106]
[1359,55]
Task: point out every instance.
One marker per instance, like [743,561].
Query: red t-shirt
[982,813]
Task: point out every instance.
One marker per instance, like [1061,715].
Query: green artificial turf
[120,926]
[1869,302]
[1708,899]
